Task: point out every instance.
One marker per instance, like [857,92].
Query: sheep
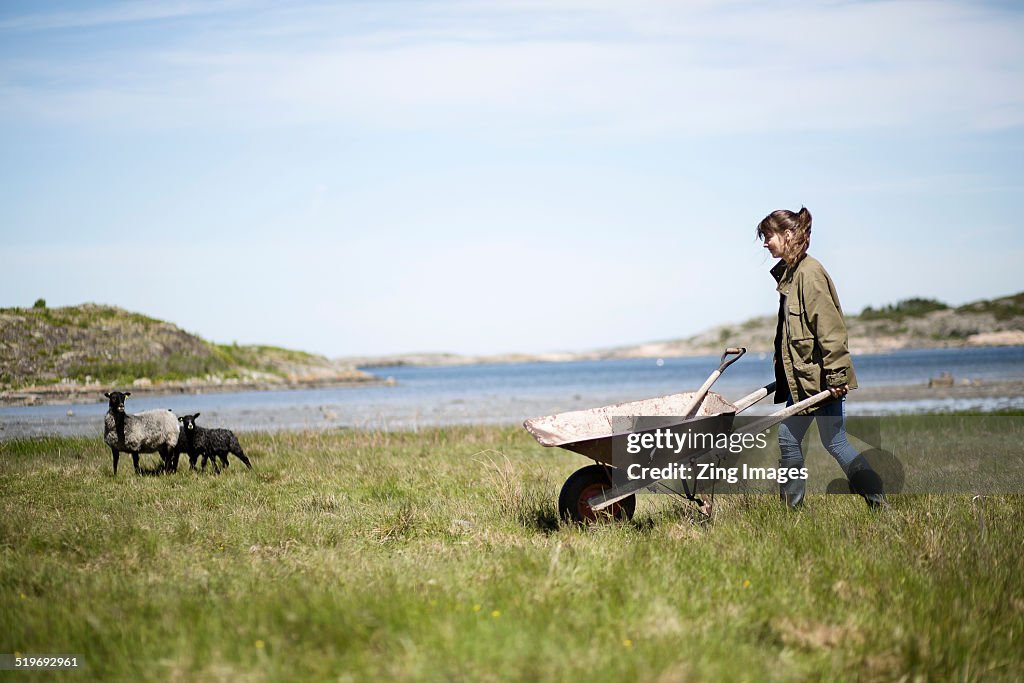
[185,447]
[154,431]
[209,443]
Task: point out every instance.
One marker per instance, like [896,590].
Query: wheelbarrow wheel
[583,485]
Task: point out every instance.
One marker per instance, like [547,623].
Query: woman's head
[786,234]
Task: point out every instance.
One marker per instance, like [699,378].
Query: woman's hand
[840,391]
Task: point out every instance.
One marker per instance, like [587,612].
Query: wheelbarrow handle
[691,409]
[750,399]
[737,352]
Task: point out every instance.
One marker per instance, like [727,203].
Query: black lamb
[210,443]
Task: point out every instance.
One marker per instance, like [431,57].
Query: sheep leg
[193,458]
[211,457]
[117,456]
[135,462]
[241,456]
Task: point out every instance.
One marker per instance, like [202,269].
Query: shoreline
[652,350]
[312,412]
[917,392]
[78,394]
[894,393]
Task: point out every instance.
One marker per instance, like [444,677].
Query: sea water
[509,393]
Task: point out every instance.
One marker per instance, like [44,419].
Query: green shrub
[1005,308]
[908,308]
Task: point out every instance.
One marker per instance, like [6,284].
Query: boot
[866,482]
[792,492]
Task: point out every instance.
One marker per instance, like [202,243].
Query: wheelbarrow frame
[613,495]
[678,409]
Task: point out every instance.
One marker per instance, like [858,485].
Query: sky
[471,176]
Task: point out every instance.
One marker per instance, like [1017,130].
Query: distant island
[74,353]
[915,323]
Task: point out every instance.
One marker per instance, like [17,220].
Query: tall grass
[437,555]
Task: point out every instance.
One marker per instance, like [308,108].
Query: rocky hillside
[92,345]
[913,323]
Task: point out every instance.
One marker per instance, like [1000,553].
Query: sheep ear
[106,394]
[195,416]
[181,419]
[127,394]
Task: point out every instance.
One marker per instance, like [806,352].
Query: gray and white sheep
[209,443]
[154,431]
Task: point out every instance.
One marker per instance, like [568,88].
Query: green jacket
[811,346]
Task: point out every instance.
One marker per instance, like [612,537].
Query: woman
[811,355]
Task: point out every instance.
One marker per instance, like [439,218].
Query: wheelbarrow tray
[590,432]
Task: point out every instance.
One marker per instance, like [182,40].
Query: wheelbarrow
[591,493]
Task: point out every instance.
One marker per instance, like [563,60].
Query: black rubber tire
[584,484]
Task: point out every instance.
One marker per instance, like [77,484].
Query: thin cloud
[121,14]
[668,69]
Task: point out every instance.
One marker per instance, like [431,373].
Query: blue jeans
[831,420]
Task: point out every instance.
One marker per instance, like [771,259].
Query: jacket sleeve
[825,320]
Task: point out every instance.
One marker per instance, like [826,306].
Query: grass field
[438,555]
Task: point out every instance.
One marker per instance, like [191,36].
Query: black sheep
[209,443]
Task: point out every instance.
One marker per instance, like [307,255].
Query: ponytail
[799,225]
[803,219]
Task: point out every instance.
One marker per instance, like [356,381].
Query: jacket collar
[783,277]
